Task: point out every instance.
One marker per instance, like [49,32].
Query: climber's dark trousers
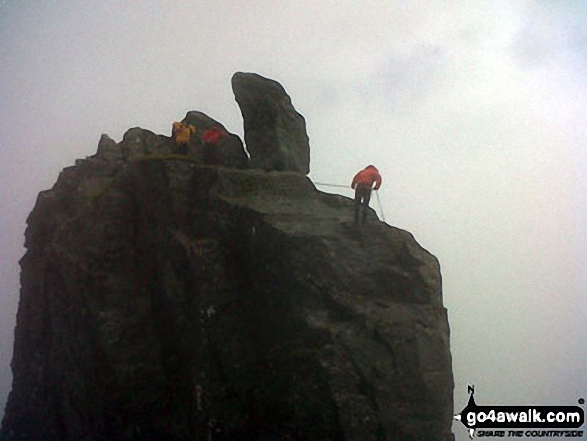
[362,198]
[181,148]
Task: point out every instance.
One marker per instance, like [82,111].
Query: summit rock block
[275,133]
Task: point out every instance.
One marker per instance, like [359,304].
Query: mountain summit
[165,297]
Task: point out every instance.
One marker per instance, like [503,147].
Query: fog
[474,113]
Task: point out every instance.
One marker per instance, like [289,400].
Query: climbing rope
[347,187]
[332,185]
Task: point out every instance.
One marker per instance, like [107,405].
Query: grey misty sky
[474,112]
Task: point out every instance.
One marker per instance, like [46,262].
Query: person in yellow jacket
[182,133]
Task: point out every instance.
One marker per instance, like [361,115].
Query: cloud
[404,76]
[552,32]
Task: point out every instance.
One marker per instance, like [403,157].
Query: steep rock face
[165,298]
[275,133]
[162,299]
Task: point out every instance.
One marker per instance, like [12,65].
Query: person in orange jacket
[182,133]
[363,184]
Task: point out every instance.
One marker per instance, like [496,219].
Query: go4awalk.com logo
[522,421]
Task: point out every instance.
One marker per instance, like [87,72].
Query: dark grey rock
[275,133]
[162,299]
[201,120]
[137,142]
[108,149]
[230,150]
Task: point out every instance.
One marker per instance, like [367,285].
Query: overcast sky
[474,112]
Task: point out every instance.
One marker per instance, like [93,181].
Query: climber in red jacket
[214,135]
[363,184]
[212,139]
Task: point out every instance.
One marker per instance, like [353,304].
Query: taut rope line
[346,186]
